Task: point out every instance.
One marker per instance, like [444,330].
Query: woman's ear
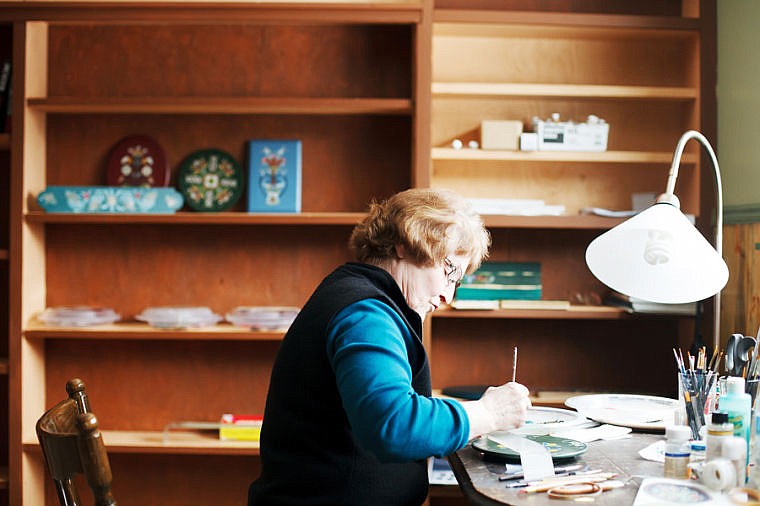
[400,251]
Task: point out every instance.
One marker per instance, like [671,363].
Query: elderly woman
[349,416]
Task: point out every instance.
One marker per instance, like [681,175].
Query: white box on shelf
[528,141]
[555,135]
[500,134]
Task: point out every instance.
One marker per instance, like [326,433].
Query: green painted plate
[559,447]
[210,180]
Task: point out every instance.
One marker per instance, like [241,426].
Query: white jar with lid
[735,450]
[677,452]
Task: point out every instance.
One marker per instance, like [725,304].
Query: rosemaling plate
[109,199]
[211,180]
[559,448]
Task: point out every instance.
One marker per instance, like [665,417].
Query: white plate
[178,317]
[263,317]
[78,316]
[543,420]
[628,410]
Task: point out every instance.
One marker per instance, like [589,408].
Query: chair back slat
[72,444]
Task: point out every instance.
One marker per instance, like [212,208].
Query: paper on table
[535,458]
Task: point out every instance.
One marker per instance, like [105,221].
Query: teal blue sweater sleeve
[367,350]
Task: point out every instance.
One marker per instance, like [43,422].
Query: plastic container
[735,450]
[78,316]
[698,451]
[738,404]
[178,317]
[263,317]
[718,430]
[754,457]
[677,452]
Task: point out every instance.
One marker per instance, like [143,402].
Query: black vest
[308,453]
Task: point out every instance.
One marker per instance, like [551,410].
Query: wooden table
[478,480]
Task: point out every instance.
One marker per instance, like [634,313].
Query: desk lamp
[658,255]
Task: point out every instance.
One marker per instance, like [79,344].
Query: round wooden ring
[574,491]
[744,496]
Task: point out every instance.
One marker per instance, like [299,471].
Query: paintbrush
[514,365]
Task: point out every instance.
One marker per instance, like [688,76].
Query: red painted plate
[138,160]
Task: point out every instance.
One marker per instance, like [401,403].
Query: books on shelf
[274,176]
[516,207]
[635,305]
[475,304]
[240,427]
[502,280]
[557,305]
[561,305]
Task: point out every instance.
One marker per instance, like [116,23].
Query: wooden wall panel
[230,60]
[615,356]
[740,299]
[347,160]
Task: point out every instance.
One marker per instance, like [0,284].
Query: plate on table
[545,420]
[628,410]
[559,447]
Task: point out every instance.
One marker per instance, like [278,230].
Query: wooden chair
[72,444]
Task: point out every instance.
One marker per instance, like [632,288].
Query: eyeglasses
[453,273]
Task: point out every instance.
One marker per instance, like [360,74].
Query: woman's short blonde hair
[428,223]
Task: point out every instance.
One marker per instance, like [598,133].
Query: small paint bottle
[718,430]
[735,450]
[677,452]
[698,451]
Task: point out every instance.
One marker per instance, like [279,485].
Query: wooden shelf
[5,142]
[3,254]
[575,222]
[143,331]
[580,24]
[3,477]
[3,366]
[349,219]
[190,218]
[239,11]
[564,91]
[574,313]
[223,105]
[491,155]
[175,443]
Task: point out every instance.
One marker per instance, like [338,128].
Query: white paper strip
[535,458]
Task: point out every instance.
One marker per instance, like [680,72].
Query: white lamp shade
[658,256]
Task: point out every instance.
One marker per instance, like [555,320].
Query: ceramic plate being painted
[559,447]
[628,410]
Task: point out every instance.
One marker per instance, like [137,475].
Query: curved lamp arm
[658,255]
[670,189]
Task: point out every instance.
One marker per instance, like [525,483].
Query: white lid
[734,447]
[678,432]
[735,385]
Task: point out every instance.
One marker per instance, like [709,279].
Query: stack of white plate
[178,317]
[78,316]
[263,317]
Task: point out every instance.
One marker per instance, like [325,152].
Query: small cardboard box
[500,134]
[240,427]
